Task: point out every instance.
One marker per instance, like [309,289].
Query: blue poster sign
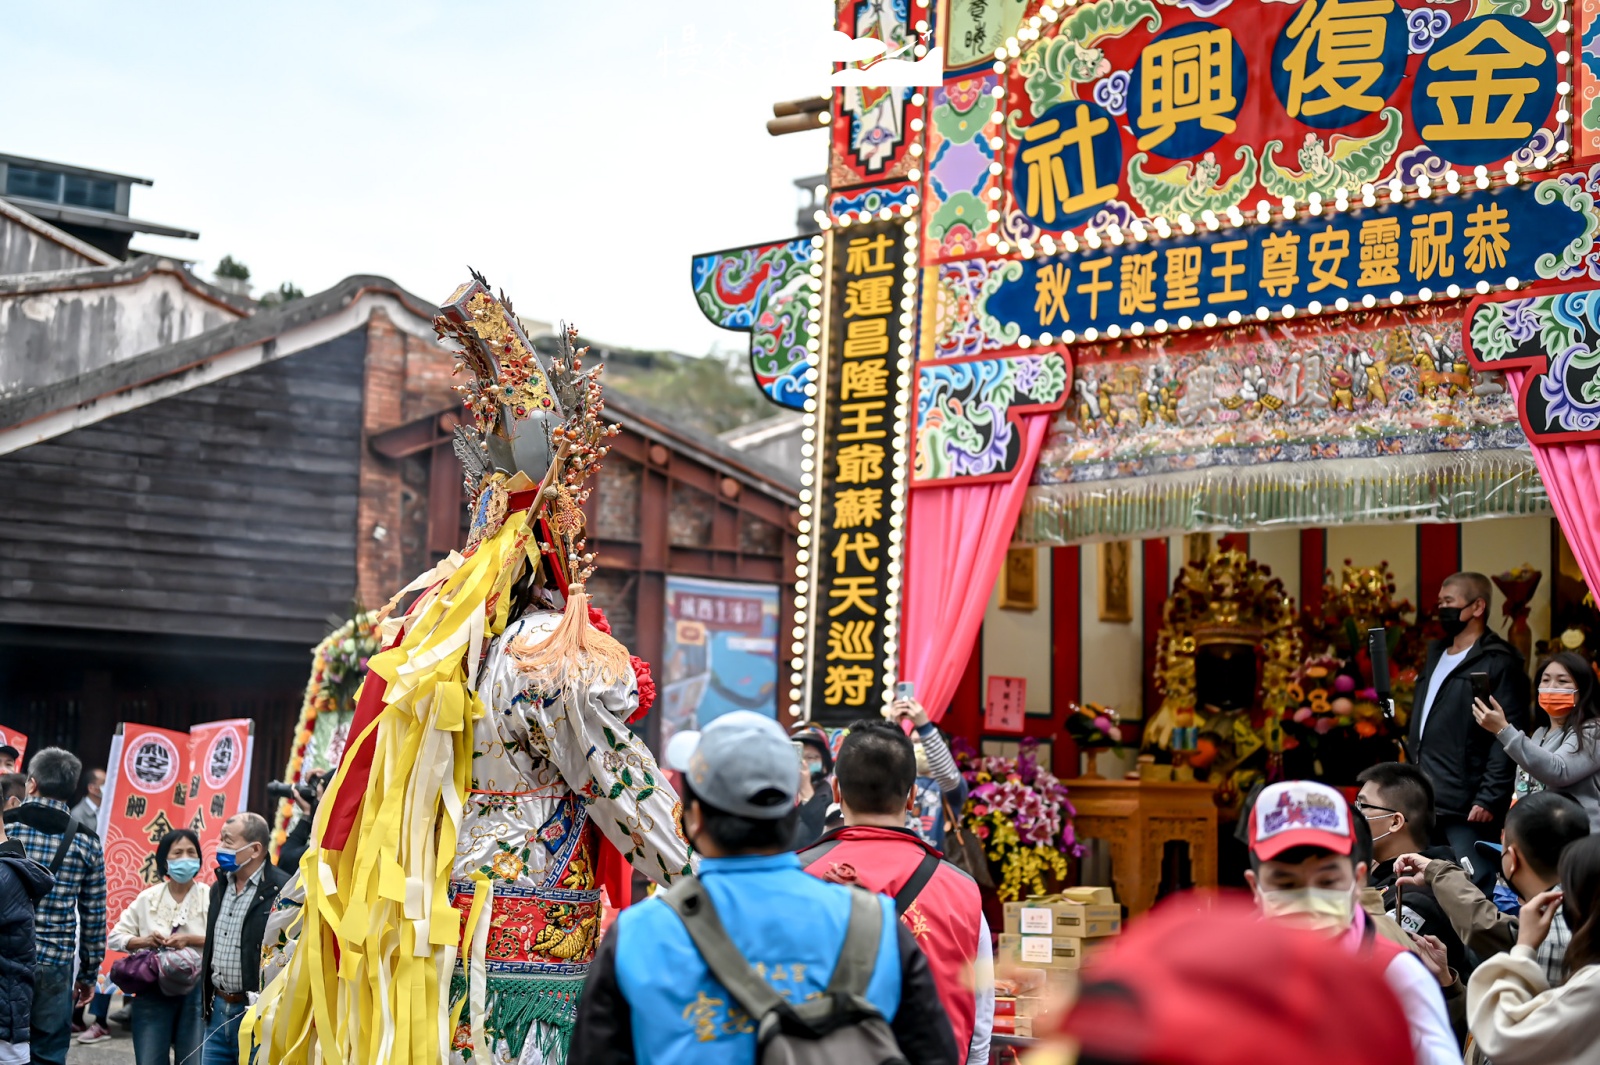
[1334,259]
[720,652]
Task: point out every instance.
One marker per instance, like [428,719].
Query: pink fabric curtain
[1571,473]
[955,545]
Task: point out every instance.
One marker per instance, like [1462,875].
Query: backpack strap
[858,957]
[690,900]
[66,845]
[912,888]
[820,850]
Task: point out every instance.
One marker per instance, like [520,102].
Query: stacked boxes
[1059,931]
[1046,940]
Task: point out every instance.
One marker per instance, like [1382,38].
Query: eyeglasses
[1363,808]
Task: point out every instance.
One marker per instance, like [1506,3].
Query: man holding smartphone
[1470,773]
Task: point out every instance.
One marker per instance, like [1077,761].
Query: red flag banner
[145,791]
[219,779]
[10,737]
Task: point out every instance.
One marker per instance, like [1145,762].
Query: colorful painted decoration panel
[874,127]
[865,204]
[1333,260]
[1588,102]
[1125,109]
[975,28]
[1376,384]
[761,290]
[964,171]
[1555,337]
[968,410]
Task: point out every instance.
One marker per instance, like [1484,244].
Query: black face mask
[1452,621]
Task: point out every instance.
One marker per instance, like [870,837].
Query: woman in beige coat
[1517,1018]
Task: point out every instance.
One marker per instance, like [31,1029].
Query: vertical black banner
[855,483]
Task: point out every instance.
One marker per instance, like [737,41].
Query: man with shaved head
[246,888]
[1469,770]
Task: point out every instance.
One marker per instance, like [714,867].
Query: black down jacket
[23,882]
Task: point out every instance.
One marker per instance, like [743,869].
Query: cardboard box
[1044,952]
[1079,919]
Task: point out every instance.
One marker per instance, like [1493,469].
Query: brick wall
[406,377]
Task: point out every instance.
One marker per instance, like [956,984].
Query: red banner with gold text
[158,780]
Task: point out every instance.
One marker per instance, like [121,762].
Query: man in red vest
[875,783]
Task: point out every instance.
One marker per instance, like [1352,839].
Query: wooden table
[1137,818]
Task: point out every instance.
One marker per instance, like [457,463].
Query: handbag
[967,852]
[138,973]
[180,970]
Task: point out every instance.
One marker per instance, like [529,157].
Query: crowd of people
[201,940]
[1453,907]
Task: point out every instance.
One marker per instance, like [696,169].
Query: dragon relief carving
[1343,163]
[1052,66]
[1192,186]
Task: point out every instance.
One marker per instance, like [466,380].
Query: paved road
[116,1051]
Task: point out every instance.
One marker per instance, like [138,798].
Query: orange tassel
[596,656]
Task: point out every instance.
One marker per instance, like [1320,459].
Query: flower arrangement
[1363,598]
[338,665]
[1333,703]
[1093,725]
[1517,587]
[1021,813]
[1328,697]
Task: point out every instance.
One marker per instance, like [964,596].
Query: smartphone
[906,689]
[1481,688]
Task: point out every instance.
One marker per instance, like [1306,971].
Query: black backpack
[840,1027]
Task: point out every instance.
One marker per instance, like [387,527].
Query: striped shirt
[79,894]
[226,947]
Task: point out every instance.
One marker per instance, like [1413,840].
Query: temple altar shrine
[1233,348]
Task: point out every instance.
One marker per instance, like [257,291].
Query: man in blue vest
[650,997]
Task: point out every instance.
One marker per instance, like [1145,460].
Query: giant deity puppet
[450,903]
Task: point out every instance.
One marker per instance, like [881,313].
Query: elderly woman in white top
[169,914]
[1564,755]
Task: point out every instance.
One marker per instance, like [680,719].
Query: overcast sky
[576,153]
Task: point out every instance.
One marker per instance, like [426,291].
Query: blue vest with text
[788,925]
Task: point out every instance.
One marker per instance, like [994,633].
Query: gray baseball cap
[738,759]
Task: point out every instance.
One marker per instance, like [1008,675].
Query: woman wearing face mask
[816,795]
[168,914]
[1564,755]
[1517,1016]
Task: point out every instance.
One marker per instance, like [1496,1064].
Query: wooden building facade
[179,526]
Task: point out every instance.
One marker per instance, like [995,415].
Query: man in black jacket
[1470,773]
[240,903]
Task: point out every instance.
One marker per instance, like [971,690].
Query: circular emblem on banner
[1336,63]
[222,759]
[1068,164]
[151,763]
[1187,89]
[1484,89]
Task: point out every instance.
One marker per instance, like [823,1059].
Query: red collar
[851,833]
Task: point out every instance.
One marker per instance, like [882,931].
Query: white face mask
[1327,910]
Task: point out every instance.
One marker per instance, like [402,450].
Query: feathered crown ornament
[537,433]
[535,423]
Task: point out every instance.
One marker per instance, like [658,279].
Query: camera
[282,789]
